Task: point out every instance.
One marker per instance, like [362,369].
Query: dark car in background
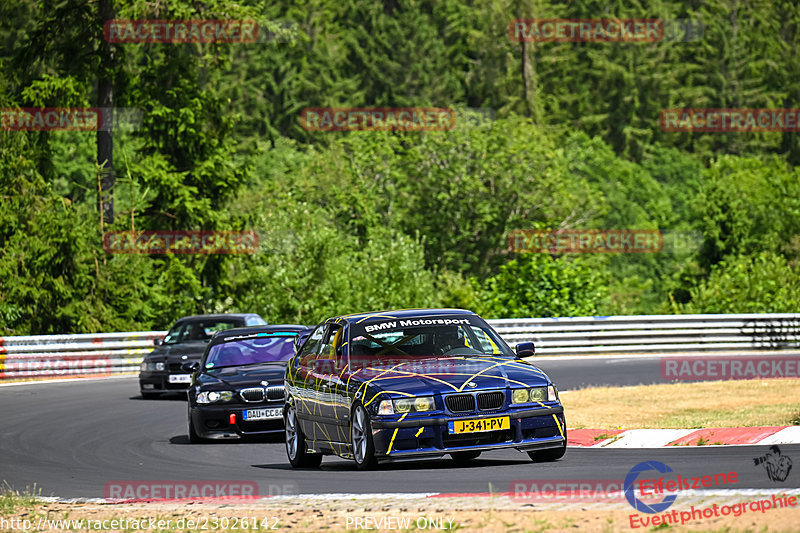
[417,383]
[162,370]
[237,389]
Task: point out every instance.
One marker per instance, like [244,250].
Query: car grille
[460,403]
[259,394]
[176,368]
[490,401]
[275,392]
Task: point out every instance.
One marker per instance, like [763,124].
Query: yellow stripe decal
[391,442]
[559,426]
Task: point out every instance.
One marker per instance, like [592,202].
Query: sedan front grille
[490,401]
[460,403]
[275,392]
[255,394]
[260,394]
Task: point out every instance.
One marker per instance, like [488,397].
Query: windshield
[264,349]
[465,339]
[199,330]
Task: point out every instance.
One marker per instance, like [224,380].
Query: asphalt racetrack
[70,439]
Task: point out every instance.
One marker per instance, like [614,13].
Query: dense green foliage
[566,135]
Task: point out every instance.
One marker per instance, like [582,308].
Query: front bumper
[531,429]
[214,421]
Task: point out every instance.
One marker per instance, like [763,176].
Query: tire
[464,457]
[194,437]
[361,439]
[296,448]
[546,456]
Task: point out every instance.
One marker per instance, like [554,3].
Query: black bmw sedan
[162,370]
[237,388]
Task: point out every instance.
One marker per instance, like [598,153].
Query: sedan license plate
[483,424]
[262,414]
[180,378]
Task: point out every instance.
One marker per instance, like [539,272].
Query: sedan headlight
[534,395]
[151,366]
[406,405]
[214,396]
[403,405]
[519,396]
[423,403]
[160,367]
[538,394]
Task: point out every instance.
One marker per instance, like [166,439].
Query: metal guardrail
[86,354]
[110,353]
[654,333]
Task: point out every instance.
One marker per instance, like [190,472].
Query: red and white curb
[658,438]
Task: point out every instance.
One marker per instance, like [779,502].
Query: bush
[537,285]
[764,283]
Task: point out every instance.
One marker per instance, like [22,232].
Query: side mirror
[525,349]
[191,366]
[158,342]
[324,366]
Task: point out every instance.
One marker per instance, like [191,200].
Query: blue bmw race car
[416,383]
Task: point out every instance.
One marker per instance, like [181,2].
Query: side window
[485,343]
[309,350]
[254,321]
[332,345]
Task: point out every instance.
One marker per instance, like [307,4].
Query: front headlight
[406,405]
[534,395]
[159,367]
[538,394]
[519,396]
[423,403]
[150,366]
[214,396]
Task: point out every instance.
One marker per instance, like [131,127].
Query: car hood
[174,353]
[445,375]
[249,376]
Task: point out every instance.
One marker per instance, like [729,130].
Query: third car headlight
[214,396]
